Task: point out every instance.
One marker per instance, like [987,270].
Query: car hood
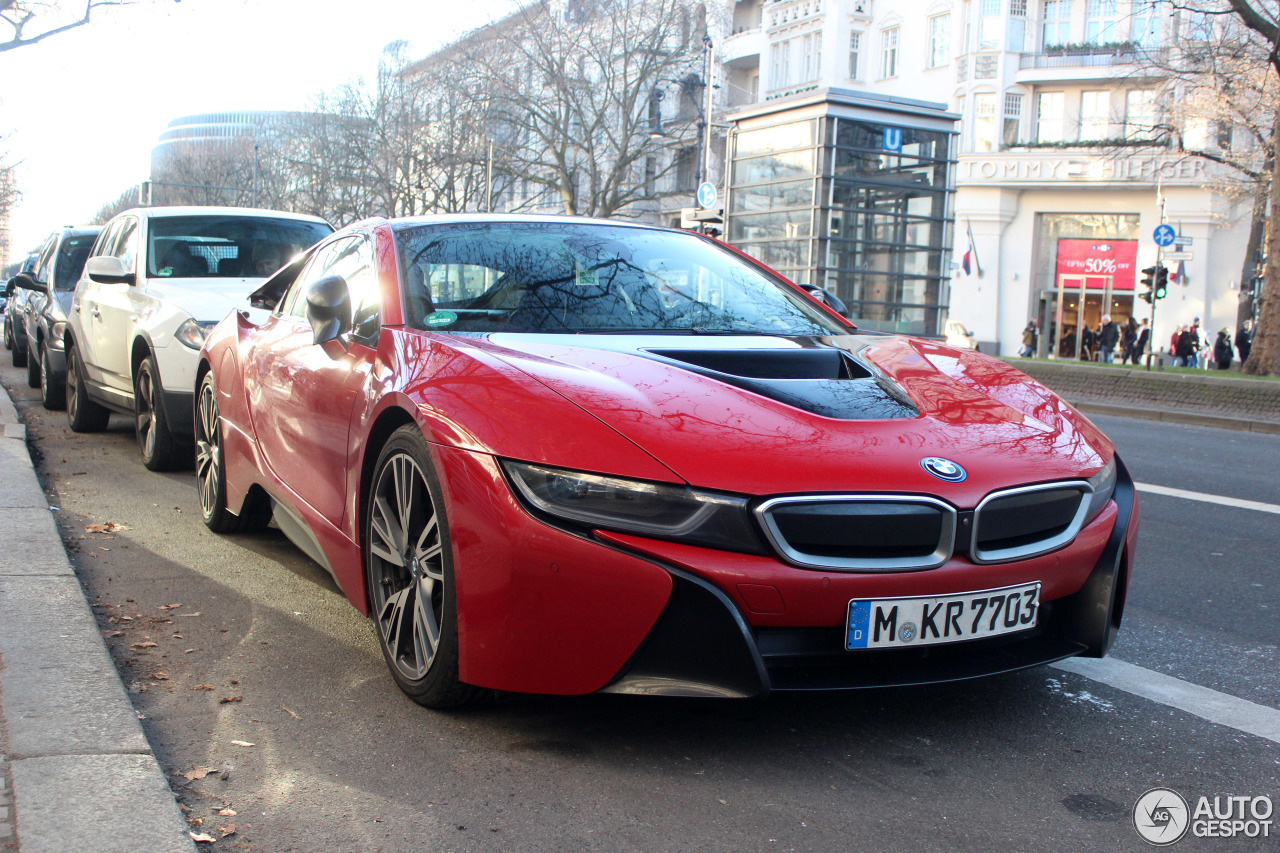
[767,415]
[203,298]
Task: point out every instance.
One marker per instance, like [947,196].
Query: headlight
[1104,485]
[677,513]
[193,334]
[55,334]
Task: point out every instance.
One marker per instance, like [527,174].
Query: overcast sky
[86,107]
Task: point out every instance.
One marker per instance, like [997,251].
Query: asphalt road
[242,638]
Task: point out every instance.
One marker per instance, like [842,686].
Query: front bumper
[544,611]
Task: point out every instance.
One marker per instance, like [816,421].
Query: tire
[53,395]
[211,471]
[83,414]
[19,351]
[408,560]
[33,367]
[160,450]
[8,333]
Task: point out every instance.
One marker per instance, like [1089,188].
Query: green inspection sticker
[436,319]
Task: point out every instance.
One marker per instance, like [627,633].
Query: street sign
[707,195]
[893,139]
[1178,256]
[1182,241]
[1164,235]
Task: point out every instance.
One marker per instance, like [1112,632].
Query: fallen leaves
[290,713]
[226,812]
[200,836]
[168,606]
[243,743]
[198,773]
[145,645]
[229,829]
[106,527]
[202,687]
[226,700]
[160,676]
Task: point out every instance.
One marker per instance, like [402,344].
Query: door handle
[97,315]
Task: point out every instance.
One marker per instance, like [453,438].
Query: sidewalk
[83,776]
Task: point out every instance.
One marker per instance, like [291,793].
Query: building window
[1018,8]
[811,57]
[984,122]
[1049,116]
[1057,22]
[1145,24]
[1224,135]
[1095,116]
[990,29]
[1199,26]
[1012,119]
[1100,21]
[855,50]
[889,56]
[939,40]
[985,66]
[1140,114]
[780,65]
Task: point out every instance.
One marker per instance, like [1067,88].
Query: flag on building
[1179,275]
[970,261]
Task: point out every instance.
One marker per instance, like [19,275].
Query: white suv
[156,281]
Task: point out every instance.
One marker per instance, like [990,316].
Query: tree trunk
[1264,359]
[1252,252]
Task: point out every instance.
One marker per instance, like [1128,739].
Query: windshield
[226,246]
[72,254]
[563,277]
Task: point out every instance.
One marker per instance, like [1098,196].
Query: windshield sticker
[587,278]
[439,319]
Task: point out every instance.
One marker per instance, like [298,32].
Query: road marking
[1212,499]
[1220,708]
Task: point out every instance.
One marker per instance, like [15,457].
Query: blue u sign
[893,139]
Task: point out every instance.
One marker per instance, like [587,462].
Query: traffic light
[1149,282]
[1162,282]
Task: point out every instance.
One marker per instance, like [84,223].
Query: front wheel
[211,470]
[19,352]
[83,414]
[33,367]
[409,571]
[159,449]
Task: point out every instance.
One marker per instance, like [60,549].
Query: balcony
[742,49]
[1086,62]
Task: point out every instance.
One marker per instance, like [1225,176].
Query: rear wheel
[158,446]
[19,353]
[83,415]
[211,471]
[53,394]
[409,570]
[8,334]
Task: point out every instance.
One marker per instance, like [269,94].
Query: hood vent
[820,380]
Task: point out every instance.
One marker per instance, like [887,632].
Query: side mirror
[107,269]
[329,308]
[826,297]
[26,282]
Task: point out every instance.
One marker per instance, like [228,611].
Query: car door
[301,395]
[85,314]
[115,311]
[35,302]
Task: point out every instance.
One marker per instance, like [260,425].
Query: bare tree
[569,90]
[121,203]
[32,21]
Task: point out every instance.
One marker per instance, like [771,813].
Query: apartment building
[1060,170]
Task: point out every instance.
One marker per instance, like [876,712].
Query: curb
[84,776]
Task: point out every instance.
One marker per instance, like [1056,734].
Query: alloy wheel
[146,419]
[407,566]
[208,449]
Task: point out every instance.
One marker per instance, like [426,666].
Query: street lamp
[696,89]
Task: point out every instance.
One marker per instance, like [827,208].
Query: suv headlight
[1104,485]
[193,333]
[656,510]
[55,334]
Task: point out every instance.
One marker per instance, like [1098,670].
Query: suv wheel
[33,367]
[8,334]
[83,415]
[53,395]
[19,352]
[159,449]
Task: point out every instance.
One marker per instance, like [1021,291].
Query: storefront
[851,192]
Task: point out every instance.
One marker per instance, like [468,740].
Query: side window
[294,303]
[351,258]
[106,240]
[126,246]
[41,271]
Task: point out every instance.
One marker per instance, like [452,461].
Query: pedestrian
[1144,341]
[1088,343]
[1185,352]
[1222,350]
[1201,343]
[1244,341]
[1108,337]
[1129,340]
[1173,345]
[1028,340]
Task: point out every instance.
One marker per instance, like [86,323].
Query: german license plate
[881,623]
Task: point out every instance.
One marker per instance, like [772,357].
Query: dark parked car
[15,337]
[44,314]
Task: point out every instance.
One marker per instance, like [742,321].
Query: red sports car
[554,455]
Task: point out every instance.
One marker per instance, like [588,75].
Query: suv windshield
[72,254]
[573,277]
[226,246]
